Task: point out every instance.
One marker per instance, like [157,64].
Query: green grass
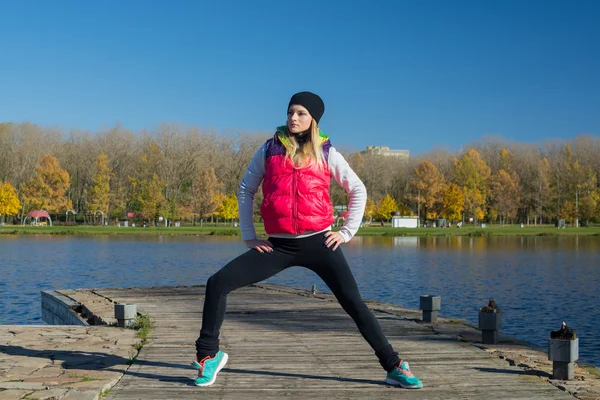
[493,230]
[228,230]
[221,230]
[143,324]
[592,370]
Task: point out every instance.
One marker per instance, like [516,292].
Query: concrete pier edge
[58,309]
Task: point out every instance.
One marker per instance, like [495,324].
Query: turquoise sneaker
[401,376]
[208,368]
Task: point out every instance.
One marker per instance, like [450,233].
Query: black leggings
[310,252]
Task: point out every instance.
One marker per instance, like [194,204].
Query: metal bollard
[125,314]
[563,353]
[490,324]
[430,304]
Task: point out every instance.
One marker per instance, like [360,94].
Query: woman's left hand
[333,238]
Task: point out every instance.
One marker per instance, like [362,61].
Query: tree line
[184,173]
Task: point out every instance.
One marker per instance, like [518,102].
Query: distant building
[385,151]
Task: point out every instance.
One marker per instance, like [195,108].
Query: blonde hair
[311,152]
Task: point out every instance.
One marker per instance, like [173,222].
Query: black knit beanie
[312,102]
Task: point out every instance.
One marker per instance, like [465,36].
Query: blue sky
[413,75]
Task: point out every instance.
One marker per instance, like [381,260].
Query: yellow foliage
[370,208]
[472,174]
[428,184]
[588,206]
[148,197]
[9,201]
[385,208]
[184,211]
[568,211]
[99,194]
[454,202]
[229,208]
[472,171]
[152,198]
[47,189]
[479,213]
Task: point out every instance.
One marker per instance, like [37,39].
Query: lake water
[538,282]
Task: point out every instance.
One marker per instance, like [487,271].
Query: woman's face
[298,119]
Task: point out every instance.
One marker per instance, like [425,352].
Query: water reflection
[538,281]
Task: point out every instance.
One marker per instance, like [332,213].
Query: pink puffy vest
[296,200]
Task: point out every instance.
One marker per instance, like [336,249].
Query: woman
[295,167]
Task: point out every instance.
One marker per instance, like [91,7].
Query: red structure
[35,216]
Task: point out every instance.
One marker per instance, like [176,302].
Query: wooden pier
[282,343]
[285,343]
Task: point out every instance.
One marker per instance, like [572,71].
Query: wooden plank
[284,344]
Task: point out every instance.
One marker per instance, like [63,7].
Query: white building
[386,152]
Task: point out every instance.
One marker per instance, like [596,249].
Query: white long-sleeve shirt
[340,170]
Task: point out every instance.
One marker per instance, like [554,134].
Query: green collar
[283,137]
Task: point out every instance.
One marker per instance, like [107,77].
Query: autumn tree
[560,159]
[170,211]
[568,211]
[453,202]
[125,158]
[586,191]
[543,192]
[549,173]
[370,209]
[504,191]
[229,208]
[99,192]
[586,149]
[583,182]
[472,174]
[21,147]
[149,197]
[147,188]
[205,191]
[9,201]
[385,207]
[588,208]
[428,184]
[47,188]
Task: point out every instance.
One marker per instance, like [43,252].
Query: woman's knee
[214,283]
[221,283]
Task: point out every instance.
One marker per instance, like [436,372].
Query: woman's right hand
[261,246]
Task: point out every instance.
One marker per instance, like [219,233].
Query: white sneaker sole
[219,368]
[394,382]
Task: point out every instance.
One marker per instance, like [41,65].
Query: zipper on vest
[294,205]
